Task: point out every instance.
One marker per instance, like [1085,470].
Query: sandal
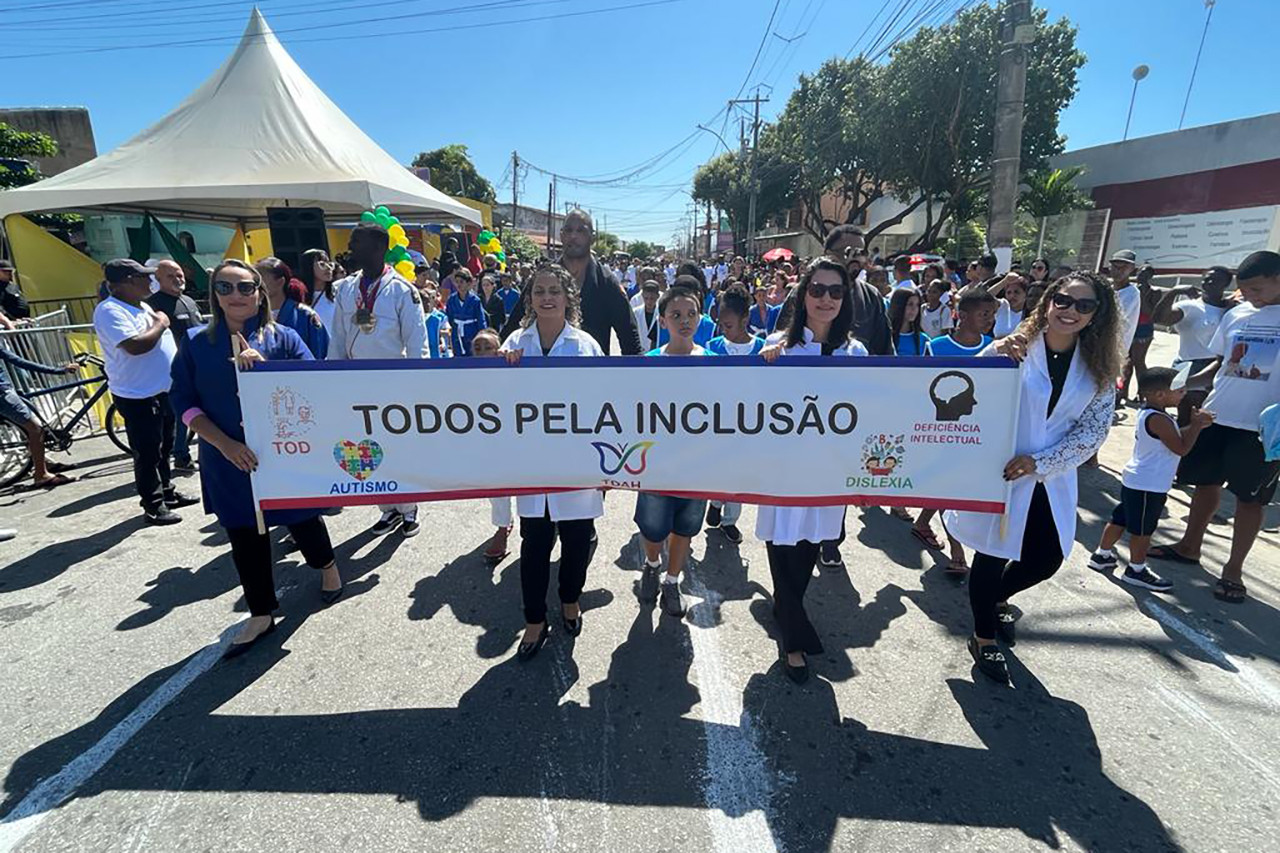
[1232,592]
[57,467]
[926,536]
[1166,552]
[957,568]
[51,482]
[901,513]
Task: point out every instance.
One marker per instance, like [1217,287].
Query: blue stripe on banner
[465,363]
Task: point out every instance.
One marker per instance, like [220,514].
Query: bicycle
[67,425]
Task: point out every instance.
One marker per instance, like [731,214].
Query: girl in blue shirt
[466,313]
[763,317]
[735,337]
[204,396]
[904,319]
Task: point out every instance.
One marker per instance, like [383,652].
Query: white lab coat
[648,333]
[401,329]
[1059,444]
[561,506]
[787,525]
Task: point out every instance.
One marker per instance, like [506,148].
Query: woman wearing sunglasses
[1070,349]
[204,396]
[821,325]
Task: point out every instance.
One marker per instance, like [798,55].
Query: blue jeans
[658,516]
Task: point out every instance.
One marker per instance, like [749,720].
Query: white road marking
[52,792]
[737,781]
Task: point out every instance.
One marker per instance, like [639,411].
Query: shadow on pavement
[52,560]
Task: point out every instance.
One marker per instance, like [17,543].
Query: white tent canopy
[259,133]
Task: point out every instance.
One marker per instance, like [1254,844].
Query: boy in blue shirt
[735,306]
[465,312]
[664,518]
[975,314]
[437,324]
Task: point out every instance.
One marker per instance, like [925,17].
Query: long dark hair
[898,310]
[1031,276]
[308,273]
[217,317]
[1099,342]
[840,326]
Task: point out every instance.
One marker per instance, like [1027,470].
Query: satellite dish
[1141,72]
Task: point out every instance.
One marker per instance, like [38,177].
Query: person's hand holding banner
[238,455]
[1014,346]
[246,356]
[1020,466]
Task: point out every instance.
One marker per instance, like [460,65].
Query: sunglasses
[1082,306]
[226,288]
[816,290]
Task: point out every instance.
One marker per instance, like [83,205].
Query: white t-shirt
[1248,340]
[134,377]
[1196,328]
[935,321]
[1006,319]
[1129,300]
[324,308]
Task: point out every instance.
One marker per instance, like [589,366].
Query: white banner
[1195,240]
[888,431]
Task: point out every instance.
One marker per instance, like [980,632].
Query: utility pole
[551,209]
[1203,33]
[1016,32]
[709,249]
[755,186]
[515,190]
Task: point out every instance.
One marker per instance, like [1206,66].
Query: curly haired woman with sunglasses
[204,396]
[1070,346]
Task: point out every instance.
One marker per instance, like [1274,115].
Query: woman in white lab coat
[1070,353]
[821,325]
[550,330]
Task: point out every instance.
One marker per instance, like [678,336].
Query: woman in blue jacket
[204,396]
[288,311]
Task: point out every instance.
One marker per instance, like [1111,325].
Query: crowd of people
[1208,420]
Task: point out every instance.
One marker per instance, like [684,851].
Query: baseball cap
[6,265]
[121,269]
[1126,255]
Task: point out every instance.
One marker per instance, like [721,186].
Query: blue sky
[595,93]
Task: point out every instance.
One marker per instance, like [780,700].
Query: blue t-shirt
[945,345]
[907,344]
[719,345]
[701,336]
[770,320]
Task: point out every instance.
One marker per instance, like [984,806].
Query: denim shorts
[658,516]
[14,407]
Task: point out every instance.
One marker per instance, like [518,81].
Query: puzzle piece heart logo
[359,460]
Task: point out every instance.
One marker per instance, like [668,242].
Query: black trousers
[792,568]
[992,579]
[537,538]
[251,552]
[149,423]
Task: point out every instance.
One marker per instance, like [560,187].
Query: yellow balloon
[397,233]
[405,268]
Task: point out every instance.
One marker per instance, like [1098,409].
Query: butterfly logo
[619,457]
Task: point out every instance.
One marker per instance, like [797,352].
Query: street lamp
[1139,74]
[717,136]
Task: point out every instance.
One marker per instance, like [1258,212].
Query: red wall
[1250,185]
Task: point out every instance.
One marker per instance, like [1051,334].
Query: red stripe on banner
[996,507]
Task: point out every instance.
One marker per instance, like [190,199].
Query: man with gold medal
[378,314]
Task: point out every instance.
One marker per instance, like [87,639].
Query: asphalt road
[399,720]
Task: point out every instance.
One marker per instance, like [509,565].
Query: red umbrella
[779,254]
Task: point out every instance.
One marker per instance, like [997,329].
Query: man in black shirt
[184,315]
[605,307]
[870,323]
[12,303]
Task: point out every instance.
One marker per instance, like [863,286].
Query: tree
[940,87]
[453,172]
[725,181]
[17,171]
[605,244]
[519,244]
[1050,192]
[641,249]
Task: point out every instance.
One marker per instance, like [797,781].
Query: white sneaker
[7,533]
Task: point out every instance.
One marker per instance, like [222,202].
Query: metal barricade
[45,341]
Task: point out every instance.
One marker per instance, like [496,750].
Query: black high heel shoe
[798,674]
[528,650]
[572,627]
[236,649]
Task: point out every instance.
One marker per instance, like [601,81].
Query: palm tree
[1050,192]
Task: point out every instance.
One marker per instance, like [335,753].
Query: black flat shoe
[572,627]
[528,650]
[236,649]
[798,674]
[990,661]
[329,596]
[1007,625]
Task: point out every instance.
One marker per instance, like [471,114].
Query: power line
[349,36]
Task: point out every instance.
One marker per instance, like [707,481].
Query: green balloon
[485,237]
[502,256]
[381,211]
[368,216]
[384,220]
[394,221]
